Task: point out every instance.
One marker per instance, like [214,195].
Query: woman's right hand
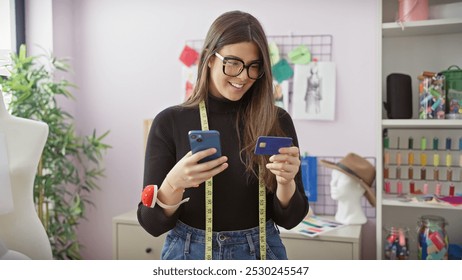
[188,172]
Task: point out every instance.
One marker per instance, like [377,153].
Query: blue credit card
[270,145]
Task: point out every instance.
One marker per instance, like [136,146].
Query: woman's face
[232,88]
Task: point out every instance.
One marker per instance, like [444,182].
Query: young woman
[235,87]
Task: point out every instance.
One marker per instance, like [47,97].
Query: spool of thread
[398,145]
[435,143]
[423,143]
[392,236]
[451,190]
[449,174]
[410,158]
[436,160]
[398,172]
[460,143]
[436,174]
[386,142]
[448,143]
[412,187]
[425,188]
[410,143]
[400,187]
[410,173]
[423,159]
[401,237]
[387,187]
[386,158]
[423,173]
[438,189]
[398,159]
[386,172]
[448,160]
[436,104]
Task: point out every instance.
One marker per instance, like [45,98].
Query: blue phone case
[200,140]
[269,145]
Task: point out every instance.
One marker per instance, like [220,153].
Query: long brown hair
[259,116]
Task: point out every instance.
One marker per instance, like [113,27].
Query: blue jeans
[187,243]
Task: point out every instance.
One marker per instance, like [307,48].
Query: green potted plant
[71,164]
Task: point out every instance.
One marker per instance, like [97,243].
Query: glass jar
[432,97]
[396,243]
[432,238]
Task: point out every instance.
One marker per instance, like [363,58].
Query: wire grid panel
[320,46]
[325,205]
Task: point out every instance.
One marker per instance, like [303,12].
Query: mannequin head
[344,188]
[348,193]
[352,177]
[359,169]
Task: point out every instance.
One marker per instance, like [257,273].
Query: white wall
[6,33]
[39,22]
[125,59]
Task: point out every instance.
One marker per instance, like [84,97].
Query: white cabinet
[429,45]
[340,244]
[132,242]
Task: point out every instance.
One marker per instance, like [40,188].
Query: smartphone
[269,145]
[200,140]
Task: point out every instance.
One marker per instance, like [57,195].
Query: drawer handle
[148,250]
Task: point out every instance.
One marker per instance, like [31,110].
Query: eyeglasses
[233,67]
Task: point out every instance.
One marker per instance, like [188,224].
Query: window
[12,33]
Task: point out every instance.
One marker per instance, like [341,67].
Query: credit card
[270,145]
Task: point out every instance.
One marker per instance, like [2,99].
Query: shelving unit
[413,123]
[424,27]
[411,48]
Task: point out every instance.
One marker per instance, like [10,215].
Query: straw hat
[359,169]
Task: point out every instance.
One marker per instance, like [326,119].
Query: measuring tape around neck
[208,193]
[209,203]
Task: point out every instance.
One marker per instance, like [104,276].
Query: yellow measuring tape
[208,194]
[209,203]
[262,213]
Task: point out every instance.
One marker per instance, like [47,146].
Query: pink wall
[125,58]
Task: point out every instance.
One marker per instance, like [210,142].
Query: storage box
[453,86]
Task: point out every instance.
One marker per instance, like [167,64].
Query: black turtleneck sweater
[235,192]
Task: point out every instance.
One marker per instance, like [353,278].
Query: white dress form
[21,230]
[6,254]
[348,193]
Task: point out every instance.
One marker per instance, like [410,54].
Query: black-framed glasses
[233,67]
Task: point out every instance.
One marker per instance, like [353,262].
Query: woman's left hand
[285,165]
